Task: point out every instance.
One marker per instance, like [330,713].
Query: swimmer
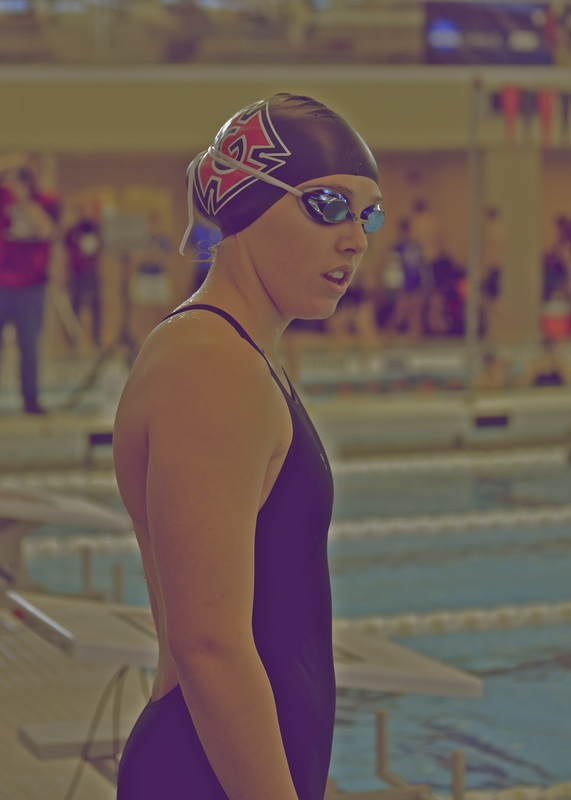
[225,478]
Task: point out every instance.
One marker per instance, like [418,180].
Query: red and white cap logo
[249,139]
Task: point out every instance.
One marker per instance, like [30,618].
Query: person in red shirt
[28,221]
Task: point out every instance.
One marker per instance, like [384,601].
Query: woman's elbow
[197,654]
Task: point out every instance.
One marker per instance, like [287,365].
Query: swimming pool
[519,733]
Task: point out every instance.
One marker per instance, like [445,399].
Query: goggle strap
[217,155]
[190,184]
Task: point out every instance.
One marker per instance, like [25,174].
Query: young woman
[225,478]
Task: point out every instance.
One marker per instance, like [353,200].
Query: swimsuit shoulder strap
[291,395]
[221,313]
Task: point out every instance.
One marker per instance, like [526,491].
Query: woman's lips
[340,277]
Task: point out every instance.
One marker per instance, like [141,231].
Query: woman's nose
[354,237]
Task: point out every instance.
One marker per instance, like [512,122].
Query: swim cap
[286,137]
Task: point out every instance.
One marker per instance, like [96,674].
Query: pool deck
[350,426]
[39,684]
[337,383]
[57,655]
[57,439]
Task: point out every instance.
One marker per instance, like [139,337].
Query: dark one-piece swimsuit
[163,758]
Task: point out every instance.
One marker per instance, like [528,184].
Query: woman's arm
[44,224]
[216,429]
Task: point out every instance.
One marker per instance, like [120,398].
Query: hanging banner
[510,104]
[488,33]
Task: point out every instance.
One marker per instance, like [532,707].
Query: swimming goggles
[325,206]
[330,207]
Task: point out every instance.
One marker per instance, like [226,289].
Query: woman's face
[304,266]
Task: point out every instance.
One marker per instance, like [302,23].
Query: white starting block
[93,631]
[124,635]
[22,512]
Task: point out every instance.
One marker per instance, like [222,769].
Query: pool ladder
[399,788]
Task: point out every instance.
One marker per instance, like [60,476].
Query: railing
[276,31]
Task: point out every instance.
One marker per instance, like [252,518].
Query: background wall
[141,126]
[171,108]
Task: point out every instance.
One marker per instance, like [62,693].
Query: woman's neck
[237,289]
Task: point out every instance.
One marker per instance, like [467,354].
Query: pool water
[520,731]
[435,492]
[420,573]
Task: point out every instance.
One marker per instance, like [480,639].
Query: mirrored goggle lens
[336,209]
[373,219]
[323,207]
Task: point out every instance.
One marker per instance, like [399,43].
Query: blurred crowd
[413,289]
[556,286]
[62,252]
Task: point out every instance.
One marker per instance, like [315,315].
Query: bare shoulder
[198,349]
[195,368]
[200,409]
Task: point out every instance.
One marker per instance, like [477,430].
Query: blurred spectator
[391,281]
[28,224]
[83,244]
[442,299]
[446,300]
[365,314]
[494,251]
[491,287]
[405,277]
[556,315]
[556,296]
[426,230]
[151,290]
[150,283]
[497,321]
[493,374]
[493,258]
[549,368]
[557,260]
